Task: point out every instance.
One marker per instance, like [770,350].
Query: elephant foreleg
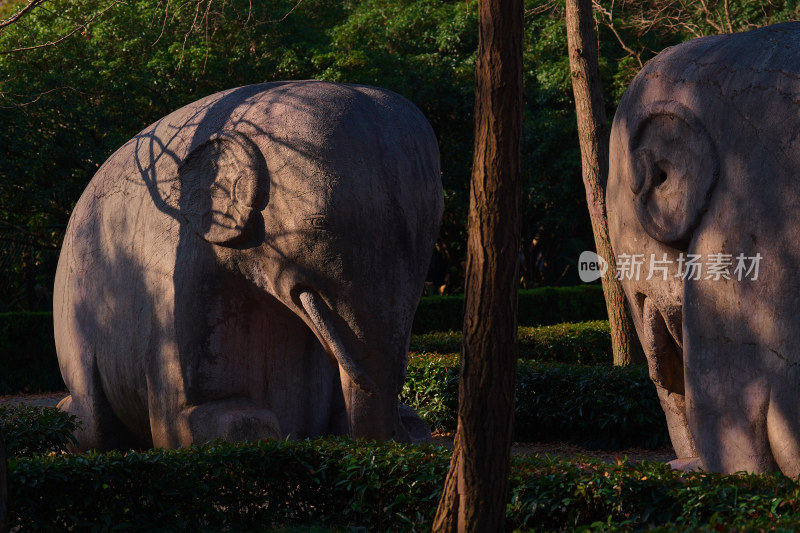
[232,420]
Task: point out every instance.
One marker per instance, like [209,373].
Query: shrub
[375,486]
[28,360]
[587,343]
[581,343]
[431,388]
[250,487]
[542,306]
[29,430]
[554,305]
[439,313]
[595,406]
[557,495]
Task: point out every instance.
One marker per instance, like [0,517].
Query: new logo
[591,266]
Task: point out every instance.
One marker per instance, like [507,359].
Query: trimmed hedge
[28,361]
[537,307]
[587,343]
[595,406]
[342,484]
[31,430]
[598,406]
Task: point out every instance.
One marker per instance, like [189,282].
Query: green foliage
[541,306]
[431,388]
[246,487]
[646,28]
[29,430]
[587,343]
[557,495]
[342,484]
[27,354]
[581,343]
[439,313]
[596,406]
[67,107]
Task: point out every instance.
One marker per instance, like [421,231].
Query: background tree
[594,140]
[66,107]
[475,491]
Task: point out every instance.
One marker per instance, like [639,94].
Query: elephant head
[275,241]
[703,218]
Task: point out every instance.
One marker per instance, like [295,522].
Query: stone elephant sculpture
[249,267]
[703,181]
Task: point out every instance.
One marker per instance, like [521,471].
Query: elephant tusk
[318,314]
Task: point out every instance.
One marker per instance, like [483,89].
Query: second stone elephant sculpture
[704,195]
[249,267]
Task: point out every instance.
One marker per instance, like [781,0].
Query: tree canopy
[67,106]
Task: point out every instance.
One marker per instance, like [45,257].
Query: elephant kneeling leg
[231,420]
[99,428]
[687,464]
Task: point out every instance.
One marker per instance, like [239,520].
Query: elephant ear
[222,184]
[675,169]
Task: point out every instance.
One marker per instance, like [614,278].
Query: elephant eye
[318,222]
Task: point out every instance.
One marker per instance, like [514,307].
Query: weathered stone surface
[249,267]
[705,160]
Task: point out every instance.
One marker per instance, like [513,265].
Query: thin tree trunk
[476,489]
[593,136]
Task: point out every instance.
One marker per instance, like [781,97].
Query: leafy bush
[587,343]
[542,306]
[431,388]
[29,430]
[554,305]
[581,343]
[28,360]
[375,486]
[241,487]
[596,406]
[558,495]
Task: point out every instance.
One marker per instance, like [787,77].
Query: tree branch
[21,13]
[79,27]
[608,15]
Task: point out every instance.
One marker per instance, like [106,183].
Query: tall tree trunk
[475,492]
[593,137]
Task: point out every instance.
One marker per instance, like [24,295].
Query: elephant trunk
[370,417]
[320,317]
[372,410]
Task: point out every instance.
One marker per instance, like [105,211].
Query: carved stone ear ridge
[642,165]
[668,211]
[222,182]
